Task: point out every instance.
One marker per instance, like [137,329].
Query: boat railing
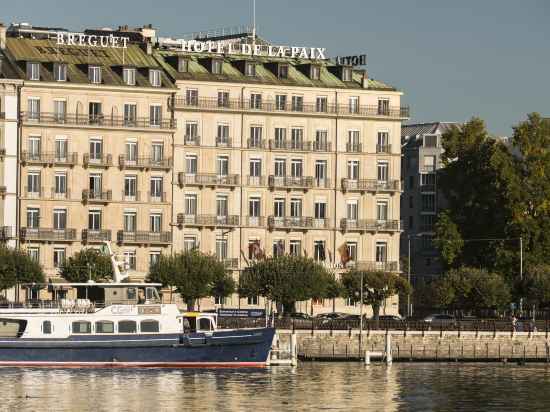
[63,305]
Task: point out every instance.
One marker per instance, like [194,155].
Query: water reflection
[324,386]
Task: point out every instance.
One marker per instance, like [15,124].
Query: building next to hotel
[227,144]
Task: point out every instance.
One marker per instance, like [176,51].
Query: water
[311,386]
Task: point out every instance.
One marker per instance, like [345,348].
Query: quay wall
[408,346]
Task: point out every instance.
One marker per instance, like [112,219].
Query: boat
[122,324]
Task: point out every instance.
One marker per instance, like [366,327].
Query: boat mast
[118,276]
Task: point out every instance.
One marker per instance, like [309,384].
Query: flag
[344,254]
[244,257]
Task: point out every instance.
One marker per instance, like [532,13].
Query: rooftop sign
[91,40]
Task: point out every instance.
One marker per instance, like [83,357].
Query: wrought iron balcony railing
[99,120]
[303,182]
[209,220]
[144,237]
[208,179]
[370,185]
[93,236]
[369,225]
[43,234]
[101,160]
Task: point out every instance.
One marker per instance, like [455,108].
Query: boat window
[126,326]
[82,326]
[104,326]
[46,327]
[189,324]
[149,326]
[131,293]
[205,324]
[151,294]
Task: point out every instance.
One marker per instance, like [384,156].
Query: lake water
[310,386]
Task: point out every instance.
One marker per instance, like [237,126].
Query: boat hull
[227,348]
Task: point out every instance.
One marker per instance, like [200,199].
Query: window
[297,139]
[321,140]
[130,221]
[280,167]
[283,71]
[296,168]
[352,210]
[60,72]
[222,165]
[218,300]
[427,222]
[183,65]
[222,208]
[217,66]
[126,326]
[61,149]
[352,250]
[222,137]
[94,220]
[353,169]
[33,71]
[130,259]
[94,74]
[60,110]
[429,163]
[280,137]
[60,180]
[33,108]
[190,205]
[95,112]
[428,202]
[256,136]
[252,300]
[382,210]
[255,167]
[191,164]
[58,257]
[320,210]
[189,243]
[382,171]
[353,141]
[81,326]
[156,189]
[130,187]
[315,73]
[382,142]
[411,182]
[104,326]
[154,77]
[34,253]
[427,179]
[221,248]
[319,250]
[279,208]
[130,114]
[411,222]
[321,172]
[295,207]
[255,101]
[149,326]
[411,202]
[155,222]
[346,74]
[280,102]
[129,76]
[33,184]
[383,107]
[250,69]
[353,104]
[278,248]
[381,252]
[192,97]
[46,327]
[59,219]
[191,133]
[131,152]
[223,99]
[95,184]
[297,103]
[157,153]
[295,247]
[154,257]
[321,104]
[155,115]
[33,217]
[254,207]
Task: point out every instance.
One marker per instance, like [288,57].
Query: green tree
[87,264]
[333,289]
[285,280]
[535,286]
[377,287]
[17,267]
[195,275]
[448,239]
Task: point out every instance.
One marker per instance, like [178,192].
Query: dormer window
[346,74]
[33,71]
[183,65]
[250,69]
[94,74]
[154,77]
[315,73]
[60,72]
[283,71]
[217,66]
[129,76]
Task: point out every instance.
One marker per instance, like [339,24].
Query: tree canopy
[16,266]
[195,275]
[377,287]
[535,286]
[286,280]
[87,264]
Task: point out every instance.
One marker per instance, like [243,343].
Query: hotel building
[237,155]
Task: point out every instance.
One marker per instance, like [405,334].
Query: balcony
[354,147]
[55,195]
[156,197]
[370,185]
[245,105]
[222,141]
[377,266]
[34,192]
[321,146]
[230,263]
[289,145]
[143,237]
[2,115]
[92,196]
[2,151]
[3,191]
[369,225]
[209,220]
[68,159]
[95,236]
[47,235]
[289,182]
[322,183]
[103,160]
[256,144]
[254,221]
[144,163]
[41,158]
[296,223]
[429,168]
[427,188]
[95,121]
[383,148]
[255,180]
[208,180]
[191,140]
[128,197]
[6,233]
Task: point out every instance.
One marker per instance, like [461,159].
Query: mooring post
[389,356]
[293,349]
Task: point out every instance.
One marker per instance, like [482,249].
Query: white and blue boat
[124,325]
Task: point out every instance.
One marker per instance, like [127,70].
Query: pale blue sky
[453,59]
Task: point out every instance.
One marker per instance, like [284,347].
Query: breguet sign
[91,40]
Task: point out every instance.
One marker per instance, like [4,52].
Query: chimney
[3,30]
[365,80]
[148,32]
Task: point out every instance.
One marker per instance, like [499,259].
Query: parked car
[332,316]
[298,315]
[439,319]
[389,318]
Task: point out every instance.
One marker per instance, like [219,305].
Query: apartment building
[95,144]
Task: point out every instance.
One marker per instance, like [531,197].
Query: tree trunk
[190,304]
[289,307]
[333,305]
[376,310]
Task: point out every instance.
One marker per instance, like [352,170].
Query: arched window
[126,326]
[149,326]
[104,326]
[81,326]
[46,327]
[205,324]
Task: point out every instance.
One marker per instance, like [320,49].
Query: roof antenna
[253,21]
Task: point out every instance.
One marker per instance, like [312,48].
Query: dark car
[299,315]
[390,318]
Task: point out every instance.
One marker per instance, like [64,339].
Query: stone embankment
[445,346]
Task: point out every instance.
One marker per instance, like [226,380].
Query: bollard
[423,327]
[441,330]
[331,321]
[349,331]
[389,355]
[293,326]
[312,326]
[494,330]
[293,349]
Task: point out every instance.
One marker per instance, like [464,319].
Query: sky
[452,59]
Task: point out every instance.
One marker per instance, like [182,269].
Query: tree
[448,239]
[195,275]
[285,280]
[333,289]
[87,264]
[535,286]
[16,266]
[377,287]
